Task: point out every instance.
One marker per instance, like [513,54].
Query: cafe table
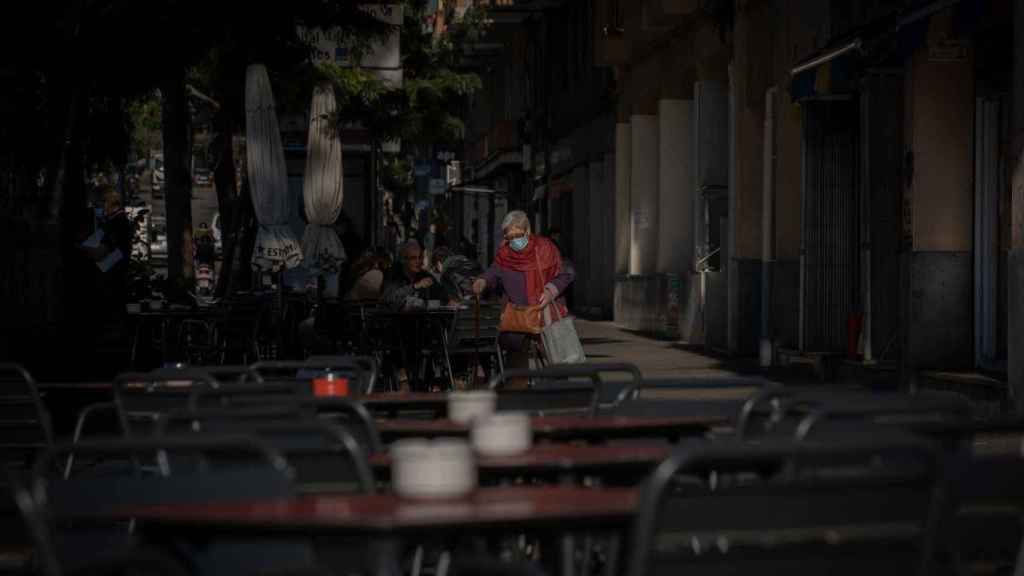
[563,461]
[566,428]
[544,509]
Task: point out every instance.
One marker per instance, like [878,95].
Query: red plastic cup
[330,385]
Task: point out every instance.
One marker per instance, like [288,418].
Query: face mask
[519,244]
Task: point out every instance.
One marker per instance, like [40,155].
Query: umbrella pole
[476,340]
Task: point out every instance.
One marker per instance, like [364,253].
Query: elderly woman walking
[533,274]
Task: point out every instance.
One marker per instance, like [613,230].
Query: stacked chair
[799,481]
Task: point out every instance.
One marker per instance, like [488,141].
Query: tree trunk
[59,180]
[1015,288]
[177,178]
[227,193]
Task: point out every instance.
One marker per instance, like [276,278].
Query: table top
[563,458]
[396,400]
[74,386]
[184,312]
[505,508]
[564,427]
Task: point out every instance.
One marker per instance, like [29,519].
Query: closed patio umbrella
[276,246]
[322,187]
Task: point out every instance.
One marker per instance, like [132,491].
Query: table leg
[568,555]
[134,354]
[611,565]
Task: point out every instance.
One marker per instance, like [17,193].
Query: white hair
[516,218]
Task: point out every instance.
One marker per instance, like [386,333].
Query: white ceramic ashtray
[442,468]
[464,407]
[502,434]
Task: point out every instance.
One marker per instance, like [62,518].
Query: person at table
[532,272]
[110,248]
[365,279]
[455,271]
[408,282]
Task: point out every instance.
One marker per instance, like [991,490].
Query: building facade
[803,180]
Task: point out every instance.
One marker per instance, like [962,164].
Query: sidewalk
[606,342]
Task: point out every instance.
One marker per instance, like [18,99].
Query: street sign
[438,186]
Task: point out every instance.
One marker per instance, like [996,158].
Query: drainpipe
[866,222]
[767,227]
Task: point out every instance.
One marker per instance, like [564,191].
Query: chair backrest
[691,387]
[198,340]
[142,398]
[231,468]
[25,425]
[984,525]
[350,415]
[323,455]
[698,395]
[306,370]
[782,408]
[569,378]
[249,394]
[225,374]
[467,331]
[780,506]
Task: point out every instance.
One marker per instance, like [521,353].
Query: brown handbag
[522,319]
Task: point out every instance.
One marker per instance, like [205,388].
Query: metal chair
[683,396]
[233,469]
[781,409]
[853,507]
[983,526]
[560,387]
[249,394]
[141,398]
[471,336]
[322,455]
[198,341]
[352,416]
[25,425]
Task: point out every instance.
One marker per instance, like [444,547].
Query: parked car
[138,213]
[158,237]
[158,173]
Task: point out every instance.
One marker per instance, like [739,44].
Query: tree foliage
[427,108]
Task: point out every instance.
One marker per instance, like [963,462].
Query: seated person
[456,272]
[365,280]
[407,281]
